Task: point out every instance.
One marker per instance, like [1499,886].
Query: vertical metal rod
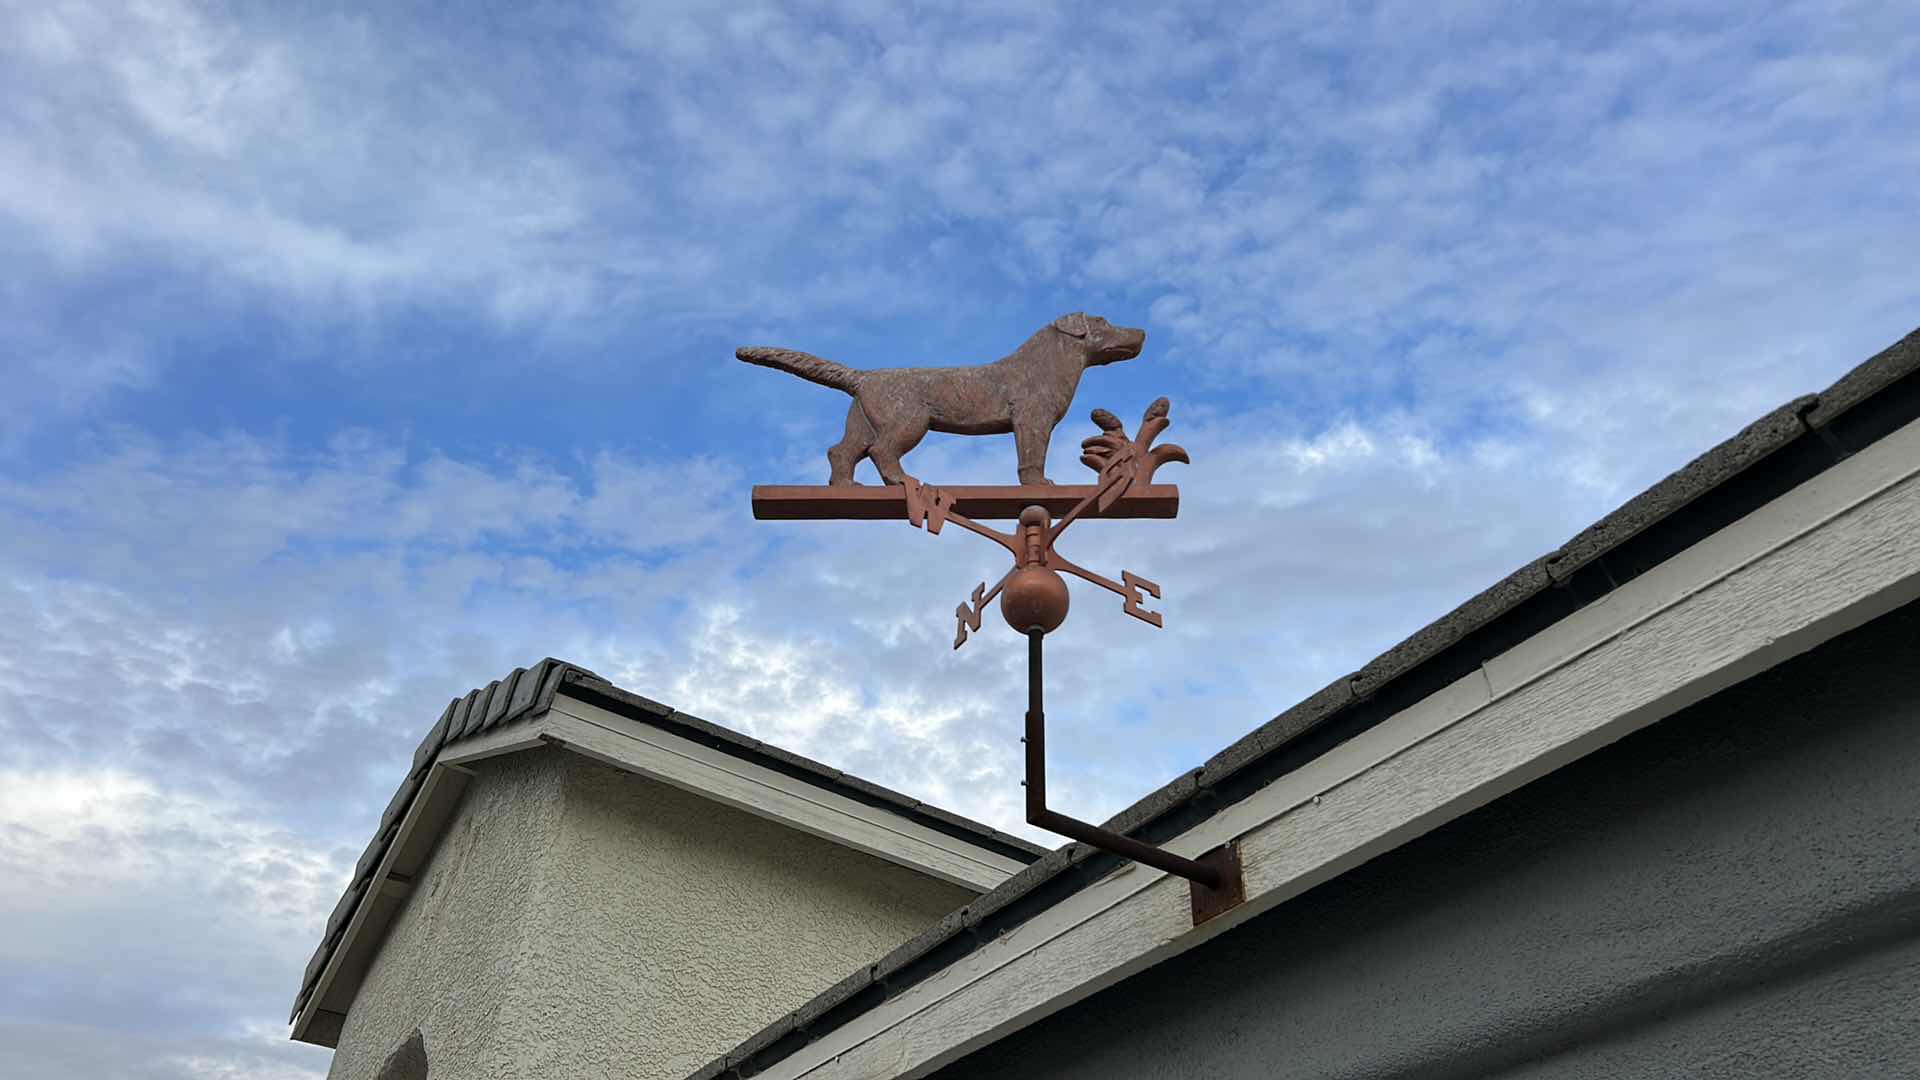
[1106,840]
[1036,731]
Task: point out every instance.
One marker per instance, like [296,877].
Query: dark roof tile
[529,692]
[834,996]
[312,974]
[1278,732]
[429,746]
[1892,364]
[1704,473]
[798,766]
[1027,848]
[477,716]
[1015,888]
[919,945]
[1449,629]
[463,720]
[630,699]
[738,1058]
[1174,793]
[402,798]
[371,857]
[497,703]
[343,910]
[527,686]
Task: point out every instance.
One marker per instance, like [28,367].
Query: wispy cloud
[356,358]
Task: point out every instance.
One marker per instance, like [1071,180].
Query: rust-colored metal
[1122,463]
[982,502]
[1039,814]
[1229,893]
[1024,393]
[1033,599]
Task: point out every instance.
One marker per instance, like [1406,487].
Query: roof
[527,694]
[1774,454]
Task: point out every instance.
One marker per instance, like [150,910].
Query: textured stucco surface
[578,921]
[452,961]
[1732,892]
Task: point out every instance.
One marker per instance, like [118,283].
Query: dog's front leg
[1030,449]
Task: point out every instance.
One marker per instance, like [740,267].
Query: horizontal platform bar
[874,502]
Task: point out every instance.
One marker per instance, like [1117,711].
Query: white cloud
[1431,287]
[80,835]
[126,897]
[38,1051]
[1314,196]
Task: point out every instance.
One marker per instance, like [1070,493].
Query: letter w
[926,503]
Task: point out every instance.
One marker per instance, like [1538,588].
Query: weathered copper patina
[1034,600]
[1025,392]
[981,502]
[894,409]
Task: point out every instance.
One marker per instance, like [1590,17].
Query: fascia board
[1829,555]
[644,750]
[661,755]
[431,808]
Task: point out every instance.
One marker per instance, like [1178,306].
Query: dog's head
[1099,340]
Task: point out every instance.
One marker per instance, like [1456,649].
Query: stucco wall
[578,921]
[1732,892]
[454,957]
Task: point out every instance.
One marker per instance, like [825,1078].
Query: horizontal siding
[1728,893]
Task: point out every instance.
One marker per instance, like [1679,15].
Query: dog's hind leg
[892,444]
[854,445]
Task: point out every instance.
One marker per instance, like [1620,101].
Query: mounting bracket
[1216,881]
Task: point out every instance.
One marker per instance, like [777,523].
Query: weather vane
[1025,393]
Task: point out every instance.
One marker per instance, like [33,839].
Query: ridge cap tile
[497,703]
[1707,471]
[436,735]
[950,925]
[606,689]
[832,997]
[1872,375]
[1451,628]
[526,688]
[470,709]
[740,1056]
[1283,729]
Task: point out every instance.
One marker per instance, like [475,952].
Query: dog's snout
[1121,343]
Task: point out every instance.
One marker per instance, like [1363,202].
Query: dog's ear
[1074,325]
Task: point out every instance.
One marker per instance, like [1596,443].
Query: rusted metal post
[1033,598]
[1093,835]
[1036,739]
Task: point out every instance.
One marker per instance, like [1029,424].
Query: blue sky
[356,357]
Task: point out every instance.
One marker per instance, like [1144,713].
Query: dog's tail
[806,365]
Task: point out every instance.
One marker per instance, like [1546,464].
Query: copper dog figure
[1025,392]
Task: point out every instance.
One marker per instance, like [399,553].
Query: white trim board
[647,751]
[1828,556]
[661,755]
[339,981]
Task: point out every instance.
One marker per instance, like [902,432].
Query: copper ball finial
[1034,598]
